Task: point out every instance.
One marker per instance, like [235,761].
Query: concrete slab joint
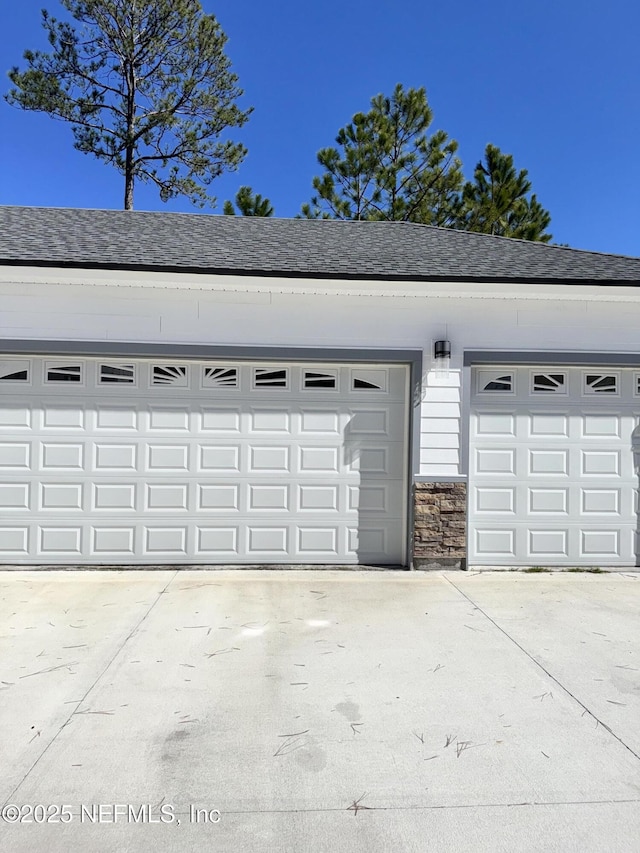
[440,525]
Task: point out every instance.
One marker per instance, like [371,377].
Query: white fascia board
[317,286]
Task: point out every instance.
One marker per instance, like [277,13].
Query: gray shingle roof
[291,247]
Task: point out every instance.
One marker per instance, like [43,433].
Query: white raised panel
[15,416]
[495,461]
[368,421]
[552,462]
[219,458]
[113,540]
[268,497]
[318,497]
[548,500]
[62,456]
[318,459]
[217,540]
[364,541]
[267,540]
[548,543]
[548,424]
[218,497]
[600,500]
[371,460]
[14,496]
[498,543]
[109,457]
[163,457]
[165,540]
[319,422]
[116,418]
[60,496]
[14,454]
[14,540]
[601,426]
[220,419]
[601,462]
[495,424]
[317,540]
[120,496]
[269,459]
[55,540]
[62,417]
[270,420]
[368,498]
[165,496]
[600,543]
[166,419]
[495,500]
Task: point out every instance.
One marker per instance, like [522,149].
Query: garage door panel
[14,416]
[56,455]
[574,499]
[15,455]
[115,419]
[548,501]
[547,424]
[121,469]
[217,419]
[113,541]
[14,496]
[600,463]
[14,541]
[495,461]
[114,457]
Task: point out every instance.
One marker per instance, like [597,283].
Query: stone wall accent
[440,526]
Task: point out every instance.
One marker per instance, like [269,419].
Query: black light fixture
[442,349]
[442,359]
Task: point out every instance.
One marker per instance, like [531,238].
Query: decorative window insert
[368,380]
[169,374]
[549,383]
[267,377]
[63,372]
[601,383]
[219,377]
[320,379]
[495,381]
[15,371]
[117,374]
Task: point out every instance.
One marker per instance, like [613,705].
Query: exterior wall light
[442,358]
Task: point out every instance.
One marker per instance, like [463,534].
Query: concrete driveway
[319,711]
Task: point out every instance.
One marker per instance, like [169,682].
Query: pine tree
[387,166]
[146,87]
[249,204]
[497,201]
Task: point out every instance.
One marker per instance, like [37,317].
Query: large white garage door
[150,461]
[552,479]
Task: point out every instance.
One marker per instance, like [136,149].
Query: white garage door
[144,461]
[552,480]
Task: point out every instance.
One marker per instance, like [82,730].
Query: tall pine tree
[146,87]
[387,166]
[498,201]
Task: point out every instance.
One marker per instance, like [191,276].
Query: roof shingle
[117,239]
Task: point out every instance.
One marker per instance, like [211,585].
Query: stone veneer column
[440,526]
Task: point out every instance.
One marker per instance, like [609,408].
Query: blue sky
[555,83]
